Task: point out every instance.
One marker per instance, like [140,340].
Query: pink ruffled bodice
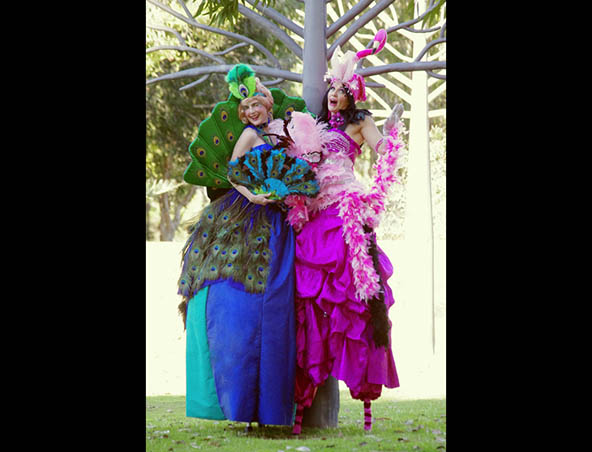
[336,172]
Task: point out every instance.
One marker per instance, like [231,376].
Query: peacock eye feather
[243,91]
[230,136]
[216,140]
[223,115]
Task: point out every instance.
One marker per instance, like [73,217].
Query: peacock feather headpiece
[241,81]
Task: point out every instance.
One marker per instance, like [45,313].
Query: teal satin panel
[201,397]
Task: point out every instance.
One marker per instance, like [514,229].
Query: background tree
[308,38]
[173,111]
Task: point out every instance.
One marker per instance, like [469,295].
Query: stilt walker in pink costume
[342,296]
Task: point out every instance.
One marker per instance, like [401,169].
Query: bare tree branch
[370,84]
[348,16]
[196,24]
[443,30]
[402,67]
[224,68]
[195,83]
[413,21]
[428,46]
[272,28]
[182,3]
[279,18]
[353,28]
[439,76]
[170,30]
[273,82]
[230,49]
[425,30]
[186,49]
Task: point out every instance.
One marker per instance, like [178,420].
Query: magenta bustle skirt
[333,328]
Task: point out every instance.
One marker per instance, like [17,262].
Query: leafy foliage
[224,11]
[433,16]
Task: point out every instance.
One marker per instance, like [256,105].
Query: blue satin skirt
[241,346]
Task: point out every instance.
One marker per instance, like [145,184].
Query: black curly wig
[351,114]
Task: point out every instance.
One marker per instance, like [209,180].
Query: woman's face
[254,111]
[337,98]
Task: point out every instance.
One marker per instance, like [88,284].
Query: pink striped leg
[298,420]
[367,415]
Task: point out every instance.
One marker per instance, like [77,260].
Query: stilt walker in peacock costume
[237,278]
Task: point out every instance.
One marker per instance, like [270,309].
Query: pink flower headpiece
[344,64]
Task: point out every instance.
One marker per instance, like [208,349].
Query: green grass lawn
[410,425]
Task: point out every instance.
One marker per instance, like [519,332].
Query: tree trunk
[167,231]
[418,217]
[324,410]
[314,64]
[148,234]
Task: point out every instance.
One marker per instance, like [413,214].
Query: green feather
[284,105]
[213,146]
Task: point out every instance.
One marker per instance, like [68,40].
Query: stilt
[367,415]
[298,420]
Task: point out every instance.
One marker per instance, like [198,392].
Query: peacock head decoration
[241,81]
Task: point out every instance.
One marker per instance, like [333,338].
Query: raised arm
[372,135]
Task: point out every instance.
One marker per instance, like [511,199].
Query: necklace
[336,120]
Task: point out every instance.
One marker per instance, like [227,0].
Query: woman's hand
[261,199]
[393,119]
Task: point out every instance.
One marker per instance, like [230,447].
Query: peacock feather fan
[272,171]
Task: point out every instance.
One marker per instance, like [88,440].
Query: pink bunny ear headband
[344,64]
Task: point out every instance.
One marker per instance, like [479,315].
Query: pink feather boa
[357,209]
